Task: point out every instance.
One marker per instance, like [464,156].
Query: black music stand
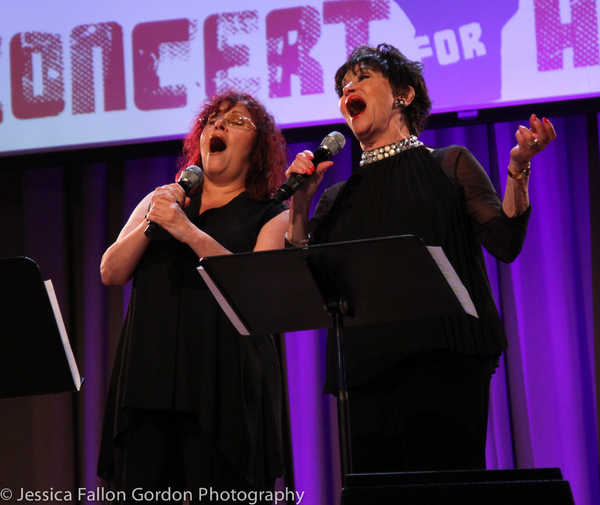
[35,354]
[370,281]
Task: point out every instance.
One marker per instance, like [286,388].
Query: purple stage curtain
[543,402]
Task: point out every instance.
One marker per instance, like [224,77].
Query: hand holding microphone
[190,179]
[331,144]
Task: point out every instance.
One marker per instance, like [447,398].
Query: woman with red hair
[192,405]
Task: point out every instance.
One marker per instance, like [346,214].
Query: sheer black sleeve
[324,205]
[502,236]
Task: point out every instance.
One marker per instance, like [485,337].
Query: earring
[400,103]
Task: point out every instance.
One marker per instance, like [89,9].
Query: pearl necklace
[390,150]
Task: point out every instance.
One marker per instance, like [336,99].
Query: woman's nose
[221,123]
[348,88]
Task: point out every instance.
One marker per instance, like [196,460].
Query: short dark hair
[400,72]
[269,154]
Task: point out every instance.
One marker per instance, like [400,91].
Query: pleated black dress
[179,352]
[445,198]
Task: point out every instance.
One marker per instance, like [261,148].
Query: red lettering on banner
[26,102]
[220,55]
[109,38]
[553,36]
[291,34]
[148,38]
[355,15]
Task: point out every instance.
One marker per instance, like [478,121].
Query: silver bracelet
[297,243]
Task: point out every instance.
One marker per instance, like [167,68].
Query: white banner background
[456,47]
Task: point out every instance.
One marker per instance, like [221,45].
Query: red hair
[269,155]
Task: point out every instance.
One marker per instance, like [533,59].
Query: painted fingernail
[546,120]
[533,117]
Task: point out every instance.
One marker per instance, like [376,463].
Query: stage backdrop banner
[100,72]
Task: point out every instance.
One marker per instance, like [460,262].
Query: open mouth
[355,106]
[217,144]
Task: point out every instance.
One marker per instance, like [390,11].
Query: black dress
[178,351]
[446,198]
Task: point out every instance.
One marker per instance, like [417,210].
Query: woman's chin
[215,163]
[362,132]
[358,126]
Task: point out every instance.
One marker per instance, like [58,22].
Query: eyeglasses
[235,119]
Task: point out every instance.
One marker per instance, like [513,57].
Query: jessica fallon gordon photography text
[208,495]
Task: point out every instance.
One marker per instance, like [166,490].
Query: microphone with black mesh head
[189,179]
[332,144]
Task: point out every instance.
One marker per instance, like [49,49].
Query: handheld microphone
[332,144]
[190,179]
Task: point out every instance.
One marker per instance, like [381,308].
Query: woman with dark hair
[192,405]
[418,390]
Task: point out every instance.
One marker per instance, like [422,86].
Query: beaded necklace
[389,150]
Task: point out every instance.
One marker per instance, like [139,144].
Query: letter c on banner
[147,39]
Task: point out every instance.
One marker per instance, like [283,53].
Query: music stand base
[468,487]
